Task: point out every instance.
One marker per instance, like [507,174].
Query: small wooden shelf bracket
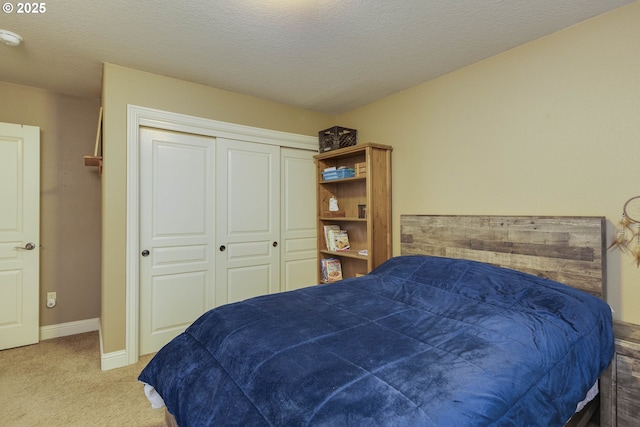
[96,160]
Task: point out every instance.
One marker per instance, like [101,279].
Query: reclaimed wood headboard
[570,250]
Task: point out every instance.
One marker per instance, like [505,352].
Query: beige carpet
[58,382]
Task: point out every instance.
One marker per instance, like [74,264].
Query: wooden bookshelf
[371,188]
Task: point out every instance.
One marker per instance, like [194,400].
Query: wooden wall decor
[96,160]
[570,250]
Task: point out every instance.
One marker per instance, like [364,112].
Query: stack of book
[331,173]
[336,239]
[331,270]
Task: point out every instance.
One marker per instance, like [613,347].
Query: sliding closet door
[247,220]
[298,229]
[176,233]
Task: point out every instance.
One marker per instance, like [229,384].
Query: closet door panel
[176,227]
[299,248]
[248,220]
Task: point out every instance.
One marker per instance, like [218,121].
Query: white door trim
[142,116]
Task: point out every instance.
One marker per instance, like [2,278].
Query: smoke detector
[10,38]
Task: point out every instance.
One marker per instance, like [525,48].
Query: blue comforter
[420,341]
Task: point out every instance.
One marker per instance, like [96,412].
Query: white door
[176,233]
[19,235]
[298,226]
[248,220]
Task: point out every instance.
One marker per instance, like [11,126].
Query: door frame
[137,117]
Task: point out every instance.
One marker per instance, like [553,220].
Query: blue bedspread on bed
[420,341]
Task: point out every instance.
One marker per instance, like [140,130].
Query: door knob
[222,248]
[274,244]
[28,247]
[145,253]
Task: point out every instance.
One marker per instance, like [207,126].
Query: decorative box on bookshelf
[335,138]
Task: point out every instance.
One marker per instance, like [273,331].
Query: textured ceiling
[325,55]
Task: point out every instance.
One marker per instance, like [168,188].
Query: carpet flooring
[58,382]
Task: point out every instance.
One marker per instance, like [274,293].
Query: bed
[442,335]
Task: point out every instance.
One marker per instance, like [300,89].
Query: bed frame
[566,249]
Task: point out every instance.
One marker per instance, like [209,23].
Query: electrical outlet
[51,299]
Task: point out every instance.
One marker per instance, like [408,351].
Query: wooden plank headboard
[570,250]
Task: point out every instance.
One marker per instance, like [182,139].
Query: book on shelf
[341,240]
[338,240]
[331,173]
[331,270]
[327,238]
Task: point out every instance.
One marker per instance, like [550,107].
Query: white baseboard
[114,359]
[69,328]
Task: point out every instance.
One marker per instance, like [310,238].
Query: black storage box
[336,137]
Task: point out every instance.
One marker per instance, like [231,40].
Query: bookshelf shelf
[345,254]
[364,203]
[342,219]
[338,181]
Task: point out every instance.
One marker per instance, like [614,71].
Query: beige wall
[549,128]
[122,86]
[70,198]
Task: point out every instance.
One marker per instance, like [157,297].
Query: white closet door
[298,229]
[248,220]
[176,233]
